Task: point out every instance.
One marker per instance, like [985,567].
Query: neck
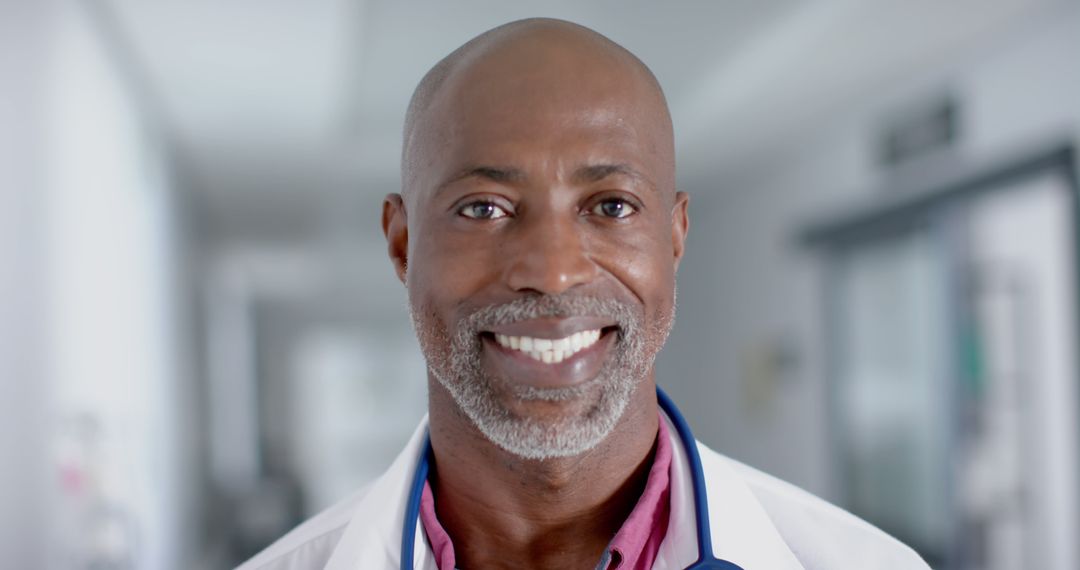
[502,511]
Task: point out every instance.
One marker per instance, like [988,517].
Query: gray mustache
[623,314]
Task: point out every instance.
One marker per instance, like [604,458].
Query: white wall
[747,288]
[88,289]
[24,37]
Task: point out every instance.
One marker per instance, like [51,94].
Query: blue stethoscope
[706,560]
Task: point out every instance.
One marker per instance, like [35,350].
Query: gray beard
[455,362]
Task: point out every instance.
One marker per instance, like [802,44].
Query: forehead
[530,132]
[540,110]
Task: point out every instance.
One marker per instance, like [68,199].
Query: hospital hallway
[203,343]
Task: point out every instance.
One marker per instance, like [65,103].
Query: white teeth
[548,350]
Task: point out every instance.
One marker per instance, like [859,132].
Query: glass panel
[891,386]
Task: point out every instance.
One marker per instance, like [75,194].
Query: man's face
[543,235]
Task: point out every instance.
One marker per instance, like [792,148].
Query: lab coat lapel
[741,530]
[372,538]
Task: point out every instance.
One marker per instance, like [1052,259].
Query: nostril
[550,278]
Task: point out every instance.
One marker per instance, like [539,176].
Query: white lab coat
[757,522]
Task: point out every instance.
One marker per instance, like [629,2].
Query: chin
[551,423]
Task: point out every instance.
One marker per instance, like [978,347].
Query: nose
[549,255]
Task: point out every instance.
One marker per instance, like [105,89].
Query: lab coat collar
[372,538]
[741,529]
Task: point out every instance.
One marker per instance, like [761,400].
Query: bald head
[536,68]
[539,200]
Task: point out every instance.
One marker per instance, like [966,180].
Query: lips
[550,351]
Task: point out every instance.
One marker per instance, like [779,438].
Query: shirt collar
[635,543]
[643,532]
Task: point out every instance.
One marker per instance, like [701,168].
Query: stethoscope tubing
[706,560]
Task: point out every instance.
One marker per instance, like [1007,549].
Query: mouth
[550,351]
[549,355]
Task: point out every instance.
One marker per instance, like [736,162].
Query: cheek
[445,268]
[643,262]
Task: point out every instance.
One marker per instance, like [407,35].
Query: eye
[482,210]
[614,208]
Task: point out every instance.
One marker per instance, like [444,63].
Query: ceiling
[334,71]
[275,97]
[285,85]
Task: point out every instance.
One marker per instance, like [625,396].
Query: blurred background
[202,342]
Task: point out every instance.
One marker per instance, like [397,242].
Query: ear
[680,225]
[396,229]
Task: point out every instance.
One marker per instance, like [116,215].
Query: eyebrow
[584,174]
[598,172]
[491,173]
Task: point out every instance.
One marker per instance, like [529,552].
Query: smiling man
[538,233]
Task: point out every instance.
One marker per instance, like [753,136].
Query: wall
[94,389]
[25,33]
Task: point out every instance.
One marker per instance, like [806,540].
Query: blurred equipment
[953,362]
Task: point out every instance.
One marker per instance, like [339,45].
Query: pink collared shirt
[634,547]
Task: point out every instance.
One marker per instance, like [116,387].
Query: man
[538,234]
